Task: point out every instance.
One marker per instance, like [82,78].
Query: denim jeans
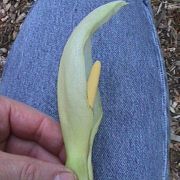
[132,141]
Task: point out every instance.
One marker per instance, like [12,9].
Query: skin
[31,144]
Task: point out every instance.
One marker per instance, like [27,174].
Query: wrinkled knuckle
[29,172]
[39,131]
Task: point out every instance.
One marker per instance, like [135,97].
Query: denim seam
[164,97]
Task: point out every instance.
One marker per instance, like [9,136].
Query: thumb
[15,167]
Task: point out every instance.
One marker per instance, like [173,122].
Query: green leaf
[79,121]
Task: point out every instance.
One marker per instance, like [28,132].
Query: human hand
[31,145]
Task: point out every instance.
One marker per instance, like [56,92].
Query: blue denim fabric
[132,141]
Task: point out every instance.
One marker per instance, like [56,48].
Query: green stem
[79,164]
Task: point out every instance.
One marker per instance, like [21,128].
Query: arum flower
[79,102]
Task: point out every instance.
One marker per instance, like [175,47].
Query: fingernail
[65,176]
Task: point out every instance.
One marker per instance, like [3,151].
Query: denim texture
[132,141]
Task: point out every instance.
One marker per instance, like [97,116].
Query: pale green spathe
[79,121]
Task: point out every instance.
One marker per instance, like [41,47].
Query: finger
[14,167]
[30,149]
[4,124]
[29,124]
[62,155]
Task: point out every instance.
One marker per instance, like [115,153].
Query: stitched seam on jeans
[165,96]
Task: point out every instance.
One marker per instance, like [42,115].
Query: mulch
[167,21]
